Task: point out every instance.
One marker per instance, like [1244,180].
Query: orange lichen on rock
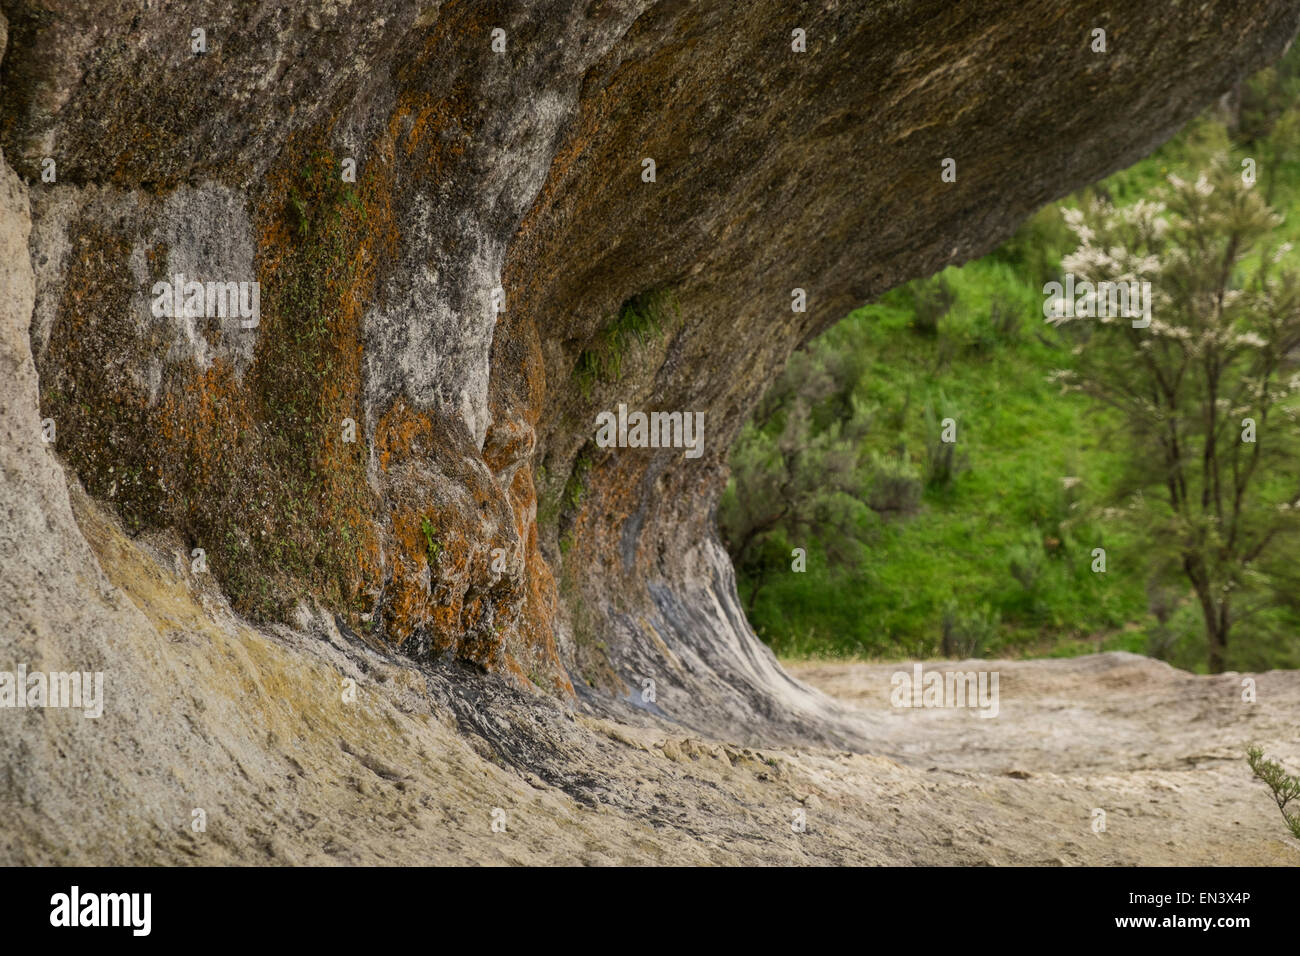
[245,452]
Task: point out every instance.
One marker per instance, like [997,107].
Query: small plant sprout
[431,545]
[1285,787]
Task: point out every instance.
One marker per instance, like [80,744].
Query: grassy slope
[1020,437]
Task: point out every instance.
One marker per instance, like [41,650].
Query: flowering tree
[1207,390]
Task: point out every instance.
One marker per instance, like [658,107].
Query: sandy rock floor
[1159,750]
[249,725]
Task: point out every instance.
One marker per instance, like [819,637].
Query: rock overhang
[475,516]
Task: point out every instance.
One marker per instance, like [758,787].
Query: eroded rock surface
[498,273]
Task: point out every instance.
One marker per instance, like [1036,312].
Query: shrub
[934,298]
[968,633]
[894,487]
[943,463]
[1004,318]
[1284,786]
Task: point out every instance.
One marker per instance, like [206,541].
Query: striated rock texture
[500,272]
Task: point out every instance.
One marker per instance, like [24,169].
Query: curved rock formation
[500,272]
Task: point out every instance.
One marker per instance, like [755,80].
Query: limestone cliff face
[500,271]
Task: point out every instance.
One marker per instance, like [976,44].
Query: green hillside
[983,546]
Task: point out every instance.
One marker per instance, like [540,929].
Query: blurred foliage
[917,547]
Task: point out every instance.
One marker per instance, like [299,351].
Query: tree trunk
[1216,631]
[758,581]
[1217,636]
[1218,639]
[1214,614]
